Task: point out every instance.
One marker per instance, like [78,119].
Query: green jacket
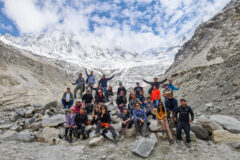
[64,95]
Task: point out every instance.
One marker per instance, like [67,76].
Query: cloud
[6,27]
[135,25]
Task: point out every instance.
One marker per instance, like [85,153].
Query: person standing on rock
[81,121]
[183,121]
[104,121]
[90,80]
[121,88]
[125,118]
[154,83]
[138,89]
[161,114]
[80,82]
[88,101]
[121,101]
[70,123]
[67,99]
[140,120]
[103,82]
[171,86]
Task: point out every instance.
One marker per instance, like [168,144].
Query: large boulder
[29,112]
[144,146]
[49,135]
[115,119]
[15,136]
[35,126]
[52,104]
[96,141]
[154,126]
[109,135]
[235,145]
[53,121]
[209,124]
[130,132]
[9,135]
[220,136]
[199,131]
[229,123]
[117,126]
[25,136]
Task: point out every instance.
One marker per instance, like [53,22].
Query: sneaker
[70,141]
[188,145]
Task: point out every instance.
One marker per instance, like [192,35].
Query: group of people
[134,110]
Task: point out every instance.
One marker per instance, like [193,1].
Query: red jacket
[156,94]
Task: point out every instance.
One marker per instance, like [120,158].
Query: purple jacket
[70,120]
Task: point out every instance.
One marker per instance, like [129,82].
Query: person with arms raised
[154,83]
[90,80]
[103,82]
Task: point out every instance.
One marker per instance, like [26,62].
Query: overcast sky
[130,24]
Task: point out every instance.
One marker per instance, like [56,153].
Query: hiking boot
[70,141]
[171,141]
[188,145]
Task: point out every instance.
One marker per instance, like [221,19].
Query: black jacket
[105,119]
[157,84]
[108,94]
[184,113]
[125,117]
[87,98]
[81,119]
[138,90]
[100,99]
[121,99]
[121,89]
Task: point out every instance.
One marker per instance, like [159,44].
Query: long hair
[163,107]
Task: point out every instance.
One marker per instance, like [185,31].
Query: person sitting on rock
[141,98]
[97,90]
[154,83]
[171,86]
[95,113]
[100,98]
[166,92]
[121,101]
[103,82]
[125,118]
[132,102]
[80,82]
[140,120]
[78,106]
[149,107]
[70,123]
[67,99]
[183,121]
[171,105]
[121,88]
[109,93]
[161,114]
[155,96]
[138,89]
[88,101]
[81,120]
[104,121]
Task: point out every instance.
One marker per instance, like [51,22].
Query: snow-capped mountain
[73,49]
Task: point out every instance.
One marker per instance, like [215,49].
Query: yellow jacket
[160,114]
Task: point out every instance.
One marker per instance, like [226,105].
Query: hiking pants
[104,125]
[186,127]
[138,126]
[81,88]
[65,104]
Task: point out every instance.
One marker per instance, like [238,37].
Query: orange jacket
[156,95]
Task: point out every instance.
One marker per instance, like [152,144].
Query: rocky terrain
[208,64]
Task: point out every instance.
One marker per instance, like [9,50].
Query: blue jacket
[103,82]
[171,105]
[90,78]
[139,114]
[172,87]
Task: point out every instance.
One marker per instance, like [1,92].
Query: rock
[24,137]
[154,126]
[115,119]
[90,127]
[49,135]
[235,145]
[29,113]
[199,131]
[162,136]
[130,132]
[61,131]
[220,136]
[96,141]
[14,117]
[117,126]
[110,107]
[52,104]
[16,127]
[5,126]
[92,135]
[144,146]
[38,105]
[192,136]
[109,135]
[36,134]
[20,112]
[35,126]
[209,124]
[229,123]
[53,121]
[8,135]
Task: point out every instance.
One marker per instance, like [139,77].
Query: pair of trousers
[65,104]
[138,126]
[186,127]
[81,88]
[101,125]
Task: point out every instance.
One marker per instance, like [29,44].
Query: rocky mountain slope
[27,79]
[208,64]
